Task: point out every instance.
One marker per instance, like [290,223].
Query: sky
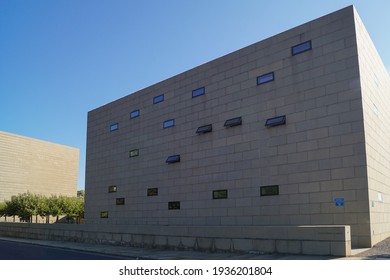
[60,59]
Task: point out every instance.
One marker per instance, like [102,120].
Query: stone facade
[375,88]
[306,240]
[309,147]
[31,165]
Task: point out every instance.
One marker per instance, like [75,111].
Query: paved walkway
[159,254]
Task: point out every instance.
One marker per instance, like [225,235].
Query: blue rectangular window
[198,92]
[269,77]
[134,114]
[114,127]
[204,129]
[275,121]
[303,47]
[233,122]
[158,99]
[169,123]
[173,159]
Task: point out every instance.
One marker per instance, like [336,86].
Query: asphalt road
[10,250]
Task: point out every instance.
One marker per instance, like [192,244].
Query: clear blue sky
[60,59]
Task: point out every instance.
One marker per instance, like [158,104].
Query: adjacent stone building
[31,165]
[289,131]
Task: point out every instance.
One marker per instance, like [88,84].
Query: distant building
[31,165]
[292,130]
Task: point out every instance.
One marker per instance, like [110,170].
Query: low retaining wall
[308,240]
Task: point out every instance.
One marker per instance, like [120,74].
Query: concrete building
[31,165]
[289,131]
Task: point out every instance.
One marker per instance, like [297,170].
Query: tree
[81,193]
[28,205]
[55,206]
[11,208]
[73,207]
[36,204]
[3,210]
[43,207]
[79,209]
[25,206]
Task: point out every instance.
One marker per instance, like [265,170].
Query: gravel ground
[379,251]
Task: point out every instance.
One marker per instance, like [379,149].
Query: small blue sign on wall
[339,201]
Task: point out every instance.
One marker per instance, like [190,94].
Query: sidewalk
[160,254]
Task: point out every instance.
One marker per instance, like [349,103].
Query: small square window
[233,122]
[174,205]
[152,192]
[134,114]
[104,214]
[114,127]
[275,121]
[204,129]
[303,47]
[158,99]
[173,159]
[134,153]
[220,194]
[198,92]
[169,123]
[269,77]
[112,189]
[120,201]
[269,190]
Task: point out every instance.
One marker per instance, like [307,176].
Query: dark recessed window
[269,190]
[269,77]
[112,189]
[134,153]
[134,114]
[173,159]
[152,192]
[198,92]
[104,214]
[275,121]
[169,123]
[204,129]
[173,205]
[120,201]
[220,194]
[233,122]
[306,46]
[158,99]
[114,127]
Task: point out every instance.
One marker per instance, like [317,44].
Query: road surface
[10,250]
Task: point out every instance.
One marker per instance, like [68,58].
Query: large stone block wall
[307,240]
[316,157]
[375,84]
[31,165]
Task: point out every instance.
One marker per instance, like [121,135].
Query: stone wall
[31,165]
[375,84]
[316,158]
[307,240]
